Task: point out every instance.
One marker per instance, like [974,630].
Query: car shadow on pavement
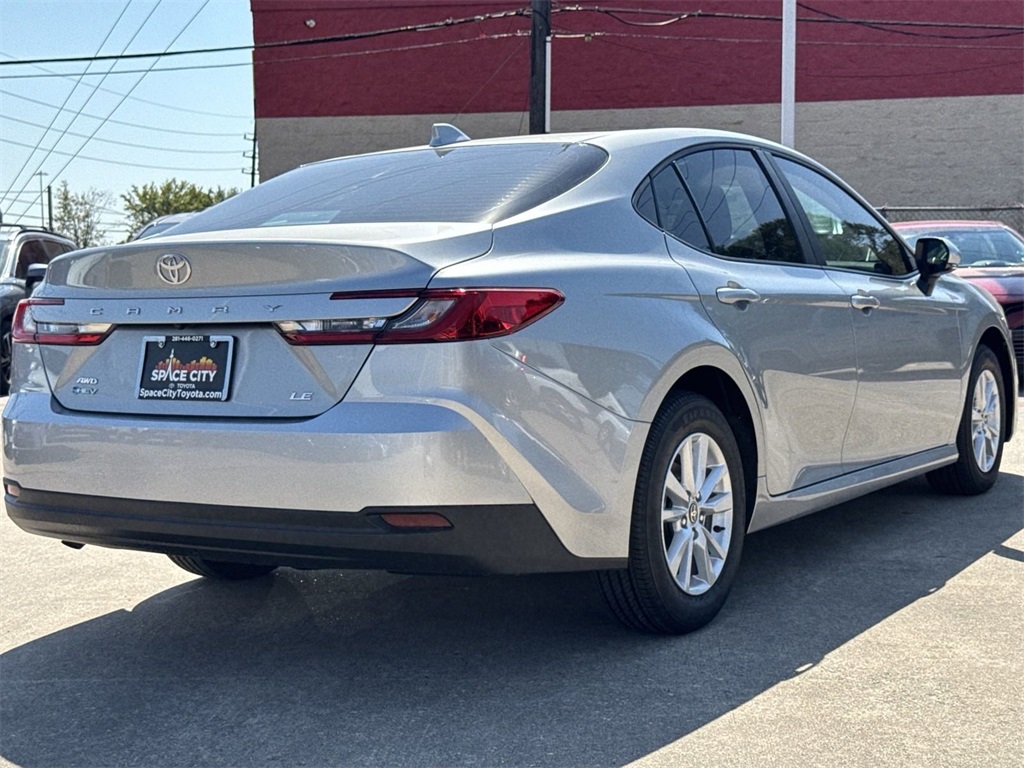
[349,668]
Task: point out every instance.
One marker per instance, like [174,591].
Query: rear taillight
[438,315]
[25,329]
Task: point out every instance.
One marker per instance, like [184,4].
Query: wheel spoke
[672,514]
[720,502]
[702,559]
[679,555]
[712,480]
[713,544]
[675,491]
[700,461]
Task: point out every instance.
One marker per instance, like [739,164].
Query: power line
[76,155]
[889,26]
[70,93]
[596,35]
[119,122]
[75,88]
[131,144]
[433,25]
[337,55]
[139,99]
[885,25]
[124,98]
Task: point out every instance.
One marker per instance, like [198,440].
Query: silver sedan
[619,352]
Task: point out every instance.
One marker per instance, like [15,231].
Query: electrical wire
[118,105]
[119,122]
[884,25]
[76,155]
[71,93]
[425,27]
[888,26]
[152,147]
[74,88]
[139,99]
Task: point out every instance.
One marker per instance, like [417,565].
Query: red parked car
[991,256]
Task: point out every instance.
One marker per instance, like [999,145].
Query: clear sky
[209,110]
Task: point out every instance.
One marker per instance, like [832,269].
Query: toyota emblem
[173,268]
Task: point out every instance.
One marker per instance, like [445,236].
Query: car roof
[948,224]
[610,141]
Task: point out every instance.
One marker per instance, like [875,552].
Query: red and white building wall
[908,112]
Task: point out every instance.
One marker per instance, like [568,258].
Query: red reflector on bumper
[415,520]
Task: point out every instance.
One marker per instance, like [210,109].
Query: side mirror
[934,256]
[34,275]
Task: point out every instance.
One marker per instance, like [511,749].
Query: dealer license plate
[186,367]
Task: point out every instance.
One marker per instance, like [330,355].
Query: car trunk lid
[192,318]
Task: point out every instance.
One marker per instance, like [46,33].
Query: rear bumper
[349,458]
[503,539]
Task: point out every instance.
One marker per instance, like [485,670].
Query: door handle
[733,294]
[860,301]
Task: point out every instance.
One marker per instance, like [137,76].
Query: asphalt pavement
[888,631]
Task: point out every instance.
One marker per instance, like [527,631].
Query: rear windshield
[481,184]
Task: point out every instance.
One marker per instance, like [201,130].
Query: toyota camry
[614,352]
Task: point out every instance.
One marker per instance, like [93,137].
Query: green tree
[145,203]
[78,215]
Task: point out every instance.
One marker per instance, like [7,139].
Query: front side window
[741,211]
[849,236]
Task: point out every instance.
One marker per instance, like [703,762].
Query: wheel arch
[994,339]
[721,389]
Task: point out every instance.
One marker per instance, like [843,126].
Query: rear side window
[450,184]
[55,249]
[675,209]
[32,252]
[743,215]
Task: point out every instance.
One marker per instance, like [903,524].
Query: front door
[908,345]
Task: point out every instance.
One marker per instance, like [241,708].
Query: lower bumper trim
[485,539]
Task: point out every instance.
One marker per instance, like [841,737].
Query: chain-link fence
[1011,215]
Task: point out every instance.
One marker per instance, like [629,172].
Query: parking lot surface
[886,631]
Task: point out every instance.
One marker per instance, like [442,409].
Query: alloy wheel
[697,511]
[985,420]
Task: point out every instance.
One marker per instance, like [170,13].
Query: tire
[219,569]
[671,521]
[979,439]
[5,358]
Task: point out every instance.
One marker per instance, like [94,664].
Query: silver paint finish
[796,345]
[556,414]
[343,460]
[910,367]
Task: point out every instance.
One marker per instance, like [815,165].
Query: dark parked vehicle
[20,248]
[992,257]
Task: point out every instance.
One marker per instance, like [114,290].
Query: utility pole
[540,64]
[49,205]
[252,156]
[42,212]
[788,71]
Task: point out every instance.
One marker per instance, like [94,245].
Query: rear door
[788,323]
[908,344]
